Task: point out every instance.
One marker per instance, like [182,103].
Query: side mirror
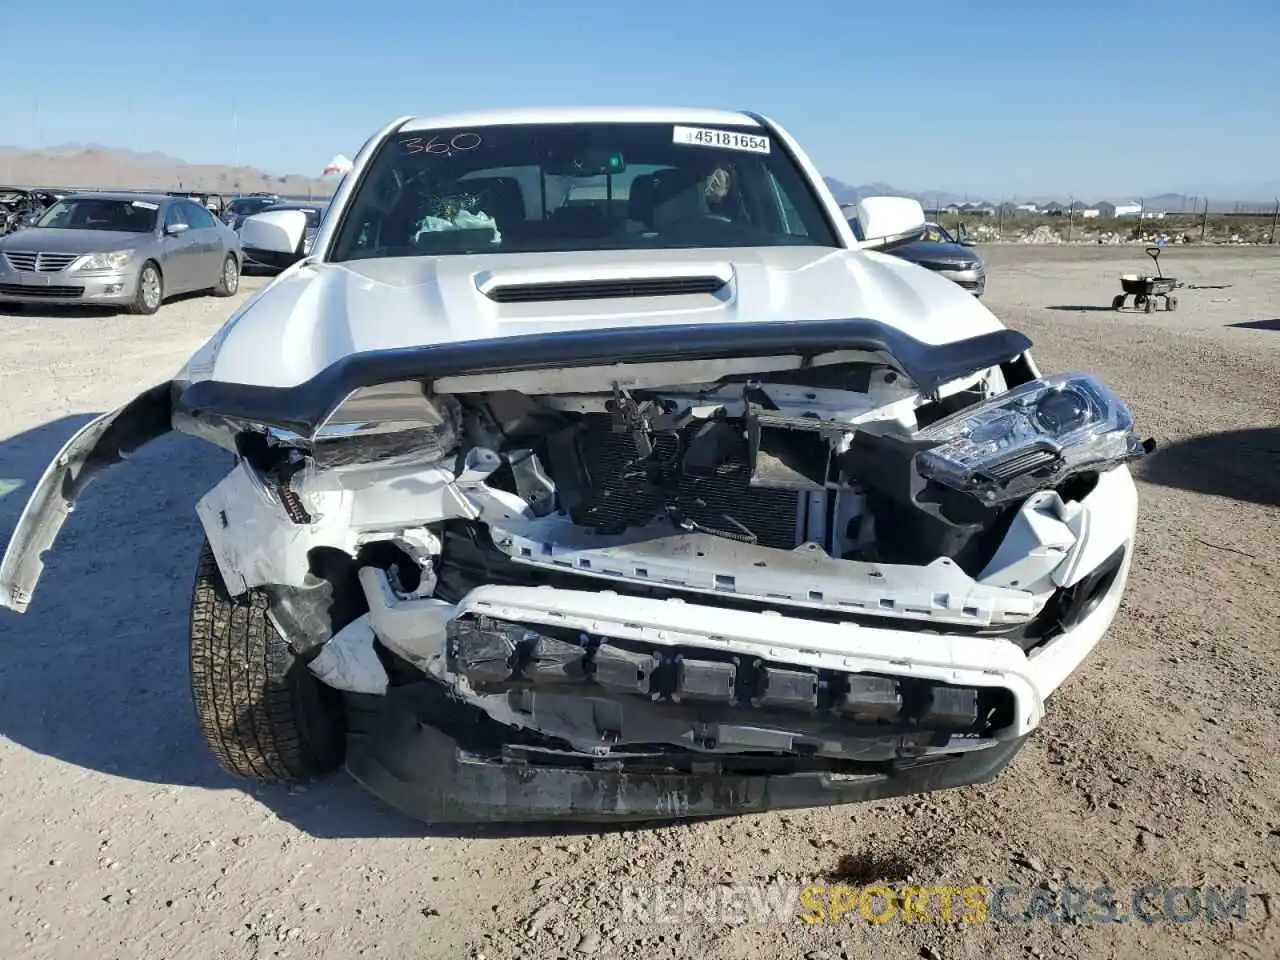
[278,232]
[173,229]
[889,222]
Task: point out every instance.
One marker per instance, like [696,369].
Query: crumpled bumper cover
[421,771]
[99,444]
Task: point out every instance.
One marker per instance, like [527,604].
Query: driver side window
[199,217]
[61,216]
[173,215]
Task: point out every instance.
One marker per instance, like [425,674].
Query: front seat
[677,197]
[641,199]
[503,200]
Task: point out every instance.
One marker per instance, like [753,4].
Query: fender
[98,445]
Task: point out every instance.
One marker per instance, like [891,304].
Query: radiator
[620,497]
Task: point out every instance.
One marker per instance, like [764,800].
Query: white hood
[315,314]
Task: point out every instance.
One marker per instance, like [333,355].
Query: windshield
[936,234]
[96,213]
[584,186]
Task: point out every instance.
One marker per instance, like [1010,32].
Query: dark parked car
[939,251]
[942,253]
[242,207]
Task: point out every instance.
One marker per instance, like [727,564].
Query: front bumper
[584,751]
[424,759]
[68,287]
[975,280]
[422,771]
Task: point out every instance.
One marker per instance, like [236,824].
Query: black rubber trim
[146,417]
[304,407]
[414,766]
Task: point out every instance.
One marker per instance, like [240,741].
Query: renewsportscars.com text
[941,903]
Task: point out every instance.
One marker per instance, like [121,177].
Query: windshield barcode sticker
[725,139]
[146,204]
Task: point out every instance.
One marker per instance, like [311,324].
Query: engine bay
[841,490]
[751,461]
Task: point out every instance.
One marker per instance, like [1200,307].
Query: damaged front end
[590,577]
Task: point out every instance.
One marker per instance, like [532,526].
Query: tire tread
[246,685]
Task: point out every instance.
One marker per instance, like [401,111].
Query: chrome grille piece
[33,262]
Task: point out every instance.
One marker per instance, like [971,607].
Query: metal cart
[1147,291]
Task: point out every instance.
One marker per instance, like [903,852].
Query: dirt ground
[1157,763]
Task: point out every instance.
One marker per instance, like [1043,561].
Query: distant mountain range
[92,165]
[1219,199]
[79,165]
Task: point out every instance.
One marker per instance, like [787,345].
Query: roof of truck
[489,118]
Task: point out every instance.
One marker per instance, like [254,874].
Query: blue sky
[991,96]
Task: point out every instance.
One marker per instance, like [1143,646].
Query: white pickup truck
[589,467]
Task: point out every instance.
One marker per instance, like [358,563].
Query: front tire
[150,290]
[263,714]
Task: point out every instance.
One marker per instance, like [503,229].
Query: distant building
[1090,213]
[1027,208]
[1125,208]
[1054,209]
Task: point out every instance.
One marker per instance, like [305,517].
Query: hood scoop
[603,284]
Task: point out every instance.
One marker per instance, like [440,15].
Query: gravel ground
[1156,764]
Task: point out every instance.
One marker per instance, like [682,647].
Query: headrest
[501,197]
[653,195]
[641,199]
[677,195]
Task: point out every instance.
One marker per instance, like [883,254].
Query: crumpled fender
[98,445]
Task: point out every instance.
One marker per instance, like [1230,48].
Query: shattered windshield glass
[582,186]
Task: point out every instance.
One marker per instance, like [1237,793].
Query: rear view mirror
[173,229]
[888,222]
[592,162]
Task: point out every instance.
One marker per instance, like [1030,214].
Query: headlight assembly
[115,260]
[387,423]
[1038,433]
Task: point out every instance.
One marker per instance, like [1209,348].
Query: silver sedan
[120,249]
